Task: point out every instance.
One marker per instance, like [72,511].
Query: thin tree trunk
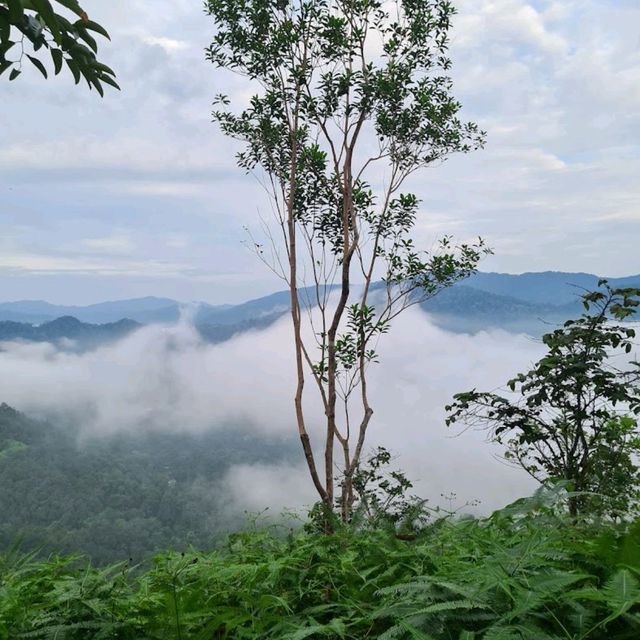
[332,364]
[295,317]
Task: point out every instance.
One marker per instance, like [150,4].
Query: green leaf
[97,85]
[622,592]
[72,5]
[5,47]
[16,11]
[450,605]
[38,65]
[109,81]
[46,12]
[105,68]
[81,53]
[57,57]
[14,74]
[307,632]
[5,28]
[338,627]
[94,26]
[4,65]
[74,68]
[84,35]
[415,633]
[629,553]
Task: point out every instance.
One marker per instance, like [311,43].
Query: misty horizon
[268,292]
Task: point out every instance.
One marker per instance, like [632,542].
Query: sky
[138,193]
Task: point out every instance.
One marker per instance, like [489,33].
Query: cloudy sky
[137,193]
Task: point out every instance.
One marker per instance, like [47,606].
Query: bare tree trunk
[332,364]
[296,319]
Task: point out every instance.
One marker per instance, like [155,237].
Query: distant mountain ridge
[528,302]
[144,310]
[464,309]
[67,328]
[544,287]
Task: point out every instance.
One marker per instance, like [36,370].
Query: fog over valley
[155,423]
[167,379]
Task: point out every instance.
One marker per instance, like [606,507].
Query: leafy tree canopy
[37,25]
[572,417]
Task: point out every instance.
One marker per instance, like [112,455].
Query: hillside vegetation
[564,564]
[122,495]
[526,572]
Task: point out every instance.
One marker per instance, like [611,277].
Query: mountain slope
[145,310]
[274,305]
[58,331]
[466,309]
[125,495]
[548,287]
[527,302]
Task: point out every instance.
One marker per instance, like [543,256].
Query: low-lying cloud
[167,379]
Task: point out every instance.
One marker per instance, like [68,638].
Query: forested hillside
[120,496]
[68,332]
[527,572]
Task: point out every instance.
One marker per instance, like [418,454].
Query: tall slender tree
[352,98]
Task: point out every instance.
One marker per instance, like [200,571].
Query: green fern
[524,573]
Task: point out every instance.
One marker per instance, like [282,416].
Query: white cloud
[555,84]
[511,22]
[48,264]
[177,240]
[165,189]
[257,487]
[127,150]
[168,44]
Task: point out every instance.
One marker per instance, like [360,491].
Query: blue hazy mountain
[464,309]
[144,310]
[546,288]
[526,303]
[67,328]
[271,306]
[529,302]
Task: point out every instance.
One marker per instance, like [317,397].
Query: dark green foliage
[573,415]
[524,573]
[382,499]
[37,23]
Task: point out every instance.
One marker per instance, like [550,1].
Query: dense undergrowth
[525,572]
